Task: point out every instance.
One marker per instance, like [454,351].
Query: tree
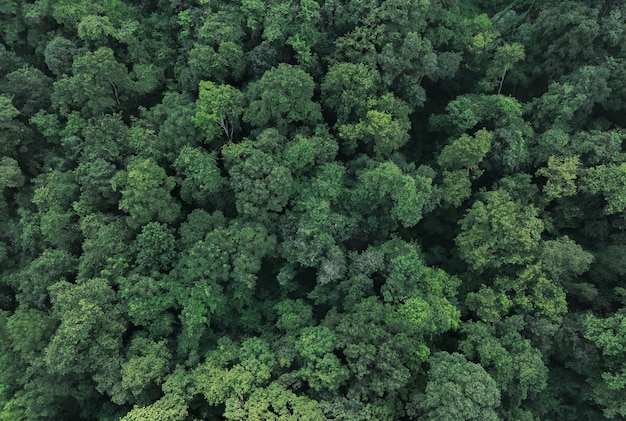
[456,187]
[296,24]
[562,37]
[167,129]
[260,183]
[393,37]
[375,347]
[303,154]
[561,173]
[273,402]
[11,133]
[145,189]
[218,109]
[505,57]
[501,116]
[498,231]
[610,180]
[282,97]
[385,127]
[59,55]
[317,226]
[29,89]
[568,105]
[10,174]
[223,267]
[564,258]
[535,293]
[89,337]
[458,389]
[105,245]
[240,377]
[200,180]
[322,370]
[217,53]
[57,220]
[50,267]
[347,89]
[386,186]
[465,152]
[608,334]
[100,84]
[70,13]
[155,248]
[147,301]
[146,366]
[96,192]
[96,29]
[219,63]
[168,408]
[509,358]
[29,390]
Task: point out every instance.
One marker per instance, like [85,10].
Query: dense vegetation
[309,210]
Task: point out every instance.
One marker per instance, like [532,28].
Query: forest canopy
[312,210]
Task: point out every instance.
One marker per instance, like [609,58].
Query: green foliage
[347,89]
[167,127]
[10,174]
[100,83]
[466,151]
[201,178]
[28,331]
[561,174]
[563,36]
[29,89]
[505,57]
[59,55]
[10,135]
[608,334]
[458,390]
[610,180]
[274,402]
[147,301]
[293,315]
[89,335]
[385,126]
[282,97]
[96,192]
[218,109]
[105,244]
[168,408]
[260,183]
[155,247]
[147,364]
[145,189]
[404,196]
[498,231]
[569,104]
[500,115]
[456,187]
[50,267]
[564,258]
[375,351]
[509,359]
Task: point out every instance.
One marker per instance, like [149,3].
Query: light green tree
[145,189]
[218,109]
[458,389]
[498,231]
